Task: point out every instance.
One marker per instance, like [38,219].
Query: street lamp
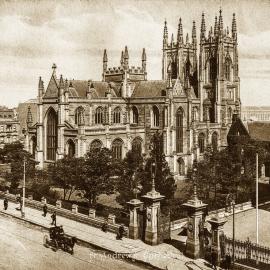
[231,202]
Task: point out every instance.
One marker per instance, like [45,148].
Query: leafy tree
[98,173]
[128,178]
[164,180]
[13,152]
[232,170]
[66,173]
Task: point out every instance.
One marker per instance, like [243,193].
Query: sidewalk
[163,256]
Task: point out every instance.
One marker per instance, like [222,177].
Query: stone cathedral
[192,105]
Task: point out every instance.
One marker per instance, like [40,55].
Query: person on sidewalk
[214,259]
[5,203]
[120,233]
[53,216]
[104,227]
[228,261]
[45,210]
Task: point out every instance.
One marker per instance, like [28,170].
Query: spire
[29,120]
[61,83]
[187,39]
[228,32]
[54,69]
[126,57]
[203,28]
[165,33]
[169,72]
[194,36]
[105,58]
[180,32]
[172,41]
[105,62]
[40,87]
[234,28]
[144,60]
[220,21]
[122,59]
[216,27]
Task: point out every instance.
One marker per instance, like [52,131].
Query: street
[22,248]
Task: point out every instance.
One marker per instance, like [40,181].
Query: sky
[73,34]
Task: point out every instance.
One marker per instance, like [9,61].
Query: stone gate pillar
[152,203]
[134,206]
[217,224]
[196,209]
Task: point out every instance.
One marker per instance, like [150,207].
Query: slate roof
[148,88]
[259,131]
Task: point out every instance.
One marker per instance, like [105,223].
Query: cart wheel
[56,246]
[46,240]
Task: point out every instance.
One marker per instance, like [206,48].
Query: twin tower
[213,72]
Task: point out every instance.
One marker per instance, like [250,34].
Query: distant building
[9,126]
[254,113]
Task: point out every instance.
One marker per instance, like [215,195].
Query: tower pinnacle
[180,32]
[194,36]
[203,28]
[234,28]
[220,21]
[144,60]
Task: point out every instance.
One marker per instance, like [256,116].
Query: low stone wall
[72,214]
[177,224]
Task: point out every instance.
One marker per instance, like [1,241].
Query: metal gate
[164,227]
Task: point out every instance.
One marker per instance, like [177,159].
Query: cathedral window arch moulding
[117,149]
[155,116]
[99,115]
[179,130]
[201,142]
[96,144]
[51,132]
[137,144]
[117,115]
[79,116]
[134,115]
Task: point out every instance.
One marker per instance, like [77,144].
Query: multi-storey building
[191,106]
[9,126]
[254,113]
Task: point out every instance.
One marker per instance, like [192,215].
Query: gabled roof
[259,131]
[52,89]
[148,88]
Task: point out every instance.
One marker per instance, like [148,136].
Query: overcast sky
[73,34]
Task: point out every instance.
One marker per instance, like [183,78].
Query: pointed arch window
[181,166]
[134,115]
[215,141]
[117,116]
[70,149]
[228,69]
[212,69]
[79,116]
[99,115]
[201,142]
[137,145]
[230,113]
[51,135]
[117,147]
[179,130]
[96,144]
[155,116]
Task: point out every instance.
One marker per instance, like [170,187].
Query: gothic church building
[192,106]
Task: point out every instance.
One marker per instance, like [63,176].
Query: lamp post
[23,199]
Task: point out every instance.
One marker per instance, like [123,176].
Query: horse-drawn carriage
[58,239]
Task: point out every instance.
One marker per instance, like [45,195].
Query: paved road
[21,247]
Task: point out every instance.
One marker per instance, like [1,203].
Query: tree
[66,173]
[98,173]
[13,152]
[232,170]
[164,180]
[128,177]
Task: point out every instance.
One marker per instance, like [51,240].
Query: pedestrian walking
[214,259]
[228,261]
[45,210]
[53,216]
[5,203]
